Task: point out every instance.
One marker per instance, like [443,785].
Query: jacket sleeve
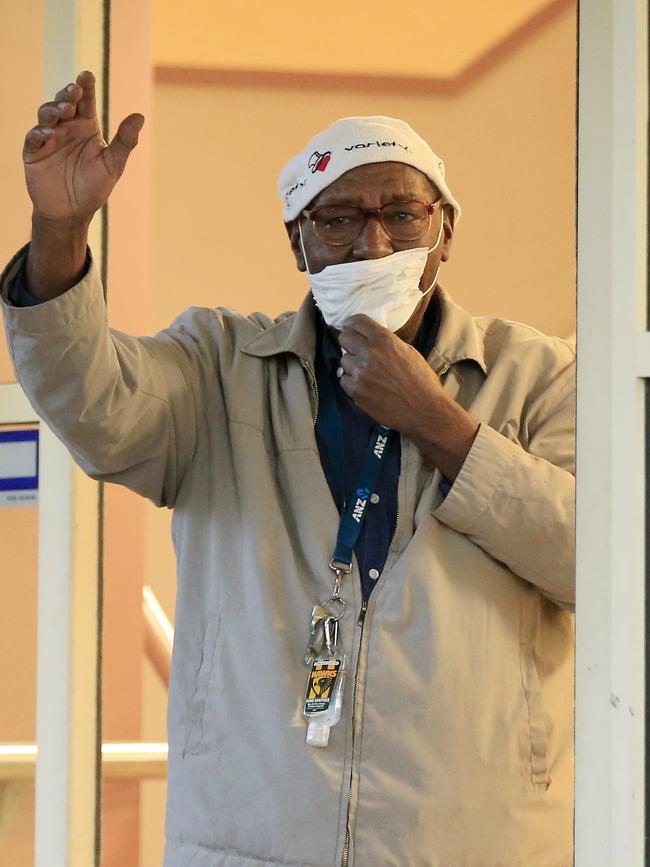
[127,408]
[517,503]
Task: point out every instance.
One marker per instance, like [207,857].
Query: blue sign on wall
[18,467]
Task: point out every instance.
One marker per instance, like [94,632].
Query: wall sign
[18,467]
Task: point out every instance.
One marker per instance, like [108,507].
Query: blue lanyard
[356,506]
[355,511]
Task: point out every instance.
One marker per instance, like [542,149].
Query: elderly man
[378,476]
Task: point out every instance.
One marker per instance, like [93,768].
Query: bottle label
[320,685]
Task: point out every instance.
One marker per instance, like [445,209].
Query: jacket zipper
[312,375]
[389,563]
[346,845]
[360,622]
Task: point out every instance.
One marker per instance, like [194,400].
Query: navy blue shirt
[17,291]
[379,526]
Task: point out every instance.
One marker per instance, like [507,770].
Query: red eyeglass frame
[372,212]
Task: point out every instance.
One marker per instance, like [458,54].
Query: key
[316,642]
[316,633]
[331,635]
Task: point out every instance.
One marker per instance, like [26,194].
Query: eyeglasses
[342,224]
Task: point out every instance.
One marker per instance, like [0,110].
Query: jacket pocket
[199,739]
[532,687]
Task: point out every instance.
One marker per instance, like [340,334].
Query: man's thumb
[125,139]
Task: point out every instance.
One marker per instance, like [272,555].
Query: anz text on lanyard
[327,664]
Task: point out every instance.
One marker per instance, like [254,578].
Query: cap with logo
[351,142]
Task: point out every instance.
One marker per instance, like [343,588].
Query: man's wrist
[18,294]
[444,434]
[57,257]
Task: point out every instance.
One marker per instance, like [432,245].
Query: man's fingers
[129,130]
[365,325]
[125,139]
[352,341]
[39,140]
[86,107]
[349,385]
[69,93]
[50,113]
[349,366]
[360,331]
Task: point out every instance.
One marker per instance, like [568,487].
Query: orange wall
[18,588]
[129,299]
[508,141]
[430,40]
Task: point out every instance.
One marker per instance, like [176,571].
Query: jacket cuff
[13,281]
[485,470]
[83,300]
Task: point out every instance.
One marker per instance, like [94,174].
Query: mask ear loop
[431,249]
[302,245]
[439,238]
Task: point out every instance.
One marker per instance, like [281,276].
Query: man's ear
[294,236]
[449,219]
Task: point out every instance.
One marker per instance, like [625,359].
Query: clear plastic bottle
[320,722]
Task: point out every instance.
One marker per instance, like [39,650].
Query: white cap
[351,142]
[318,733]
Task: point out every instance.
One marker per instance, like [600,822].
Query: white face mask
[387,289]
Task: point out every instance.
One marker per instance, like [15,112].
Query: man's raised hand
[70,173]
[69,169]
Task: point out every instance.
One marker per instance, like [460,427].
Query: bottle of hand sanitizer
[324,698]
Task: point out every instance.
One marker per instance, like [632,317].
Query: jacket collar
[459,338]
[295,332]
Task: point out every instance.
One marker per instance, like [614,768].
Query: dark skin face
[372,186]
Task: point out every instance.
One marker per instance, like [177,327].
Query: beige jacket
[459,752]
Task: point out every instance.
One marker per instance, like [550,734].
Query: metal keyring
[336,599]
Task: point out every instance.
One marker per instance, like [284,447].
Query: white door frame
[67,728]
[612,362]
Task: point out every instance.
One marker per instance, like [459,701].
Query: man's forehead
[384,180]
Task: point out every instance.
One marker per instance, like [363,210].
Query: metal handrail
[120,760]
[158,634]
